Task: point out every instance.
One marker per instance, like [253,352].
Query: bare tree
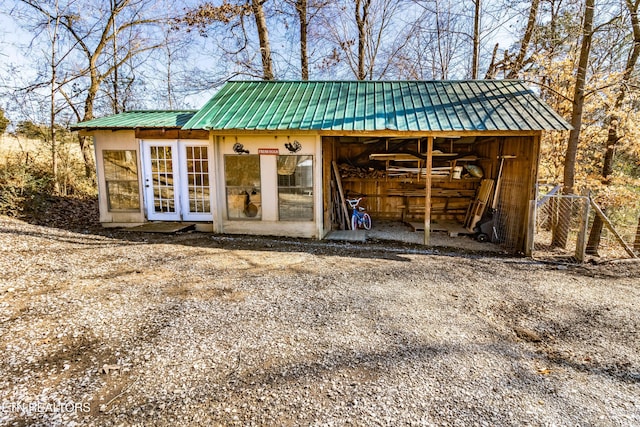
[561,234]
[578,97]
[362,22]
[49,26]
[94,36]
[53,25]
[232,16]
[304,13]
[366,36]
[263,37]
[448,36]
[94,39]
[612,121]
[519,62]
[302,7]
[476,40]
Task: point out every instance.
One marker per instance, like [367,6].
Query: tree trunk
[263,36]
[92,92]
[526,39]
[362,15]
[612,135]
[169,77]
[52,100]
[87,156]
[561,234]
[116,106]
[593,243]
[491,71]
[476,41]
[578,99]
[301,7]
[54,148]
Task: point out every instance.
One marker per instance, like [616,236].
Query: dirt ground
[108,327]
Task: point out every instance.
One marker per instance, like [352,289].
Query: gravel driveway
[116,328]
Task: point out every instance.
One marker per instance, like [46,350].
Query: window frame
[310,187]
[254,192]
[108,181]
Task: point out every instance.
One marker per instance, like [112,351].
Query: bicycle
[359,218]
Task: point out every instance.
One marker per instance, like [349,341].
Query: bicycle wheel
[354,222]
[366,221]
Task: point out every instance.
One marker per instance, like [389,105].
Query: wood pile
[348,171]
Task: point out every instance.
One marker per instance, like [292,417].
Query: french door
[177,185]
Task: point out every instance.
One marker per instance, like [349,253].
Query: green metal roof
[351,106]
[139,119]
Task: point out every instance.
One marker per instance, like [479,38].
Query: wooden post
[636,243]
[613,231]
[427,191]
[531,229]
[581,243]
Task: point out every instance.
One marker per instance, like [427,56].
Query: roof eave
[115,129]
[383,132]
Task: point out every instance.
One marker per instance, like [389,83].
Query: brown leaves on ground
[70,213]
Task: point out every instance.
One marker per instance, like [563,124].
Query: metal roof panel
[139,119]
[352,106]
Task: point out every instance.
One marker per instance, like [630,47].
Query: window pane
[198,179]
[242,177]
[295,188]
[162,175]
[121,176]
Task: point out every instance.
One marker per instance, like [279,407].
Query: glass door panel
[160,179]
[177,183]
[196,198]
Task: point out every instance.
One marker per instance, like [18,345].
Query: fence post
[583,226]
[636,242]
[531,229]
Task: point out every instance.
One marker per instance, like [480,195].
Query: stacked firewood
[348,171]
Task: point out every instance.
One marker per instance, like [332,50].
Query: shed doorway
[391,173]
[177,180]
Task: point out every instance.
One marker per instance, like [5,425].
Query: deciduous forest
[80,59]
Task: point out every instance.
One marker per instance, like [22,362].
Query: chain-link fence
[570,228]
[560,228]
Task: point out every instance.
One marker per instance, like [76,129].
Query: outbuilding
[278,157]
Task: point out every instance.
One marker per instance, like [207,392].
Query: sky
[12,34]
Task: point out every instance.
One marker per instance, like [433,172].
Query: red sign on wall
[269,151]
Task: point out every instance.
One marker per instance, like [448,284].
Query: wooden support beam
[610,227]
[427,191]
[171,134]
[531,229]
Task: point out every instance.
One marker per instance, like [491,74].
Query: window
[242,177]
[121,177]
[198,179]
[295,188]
